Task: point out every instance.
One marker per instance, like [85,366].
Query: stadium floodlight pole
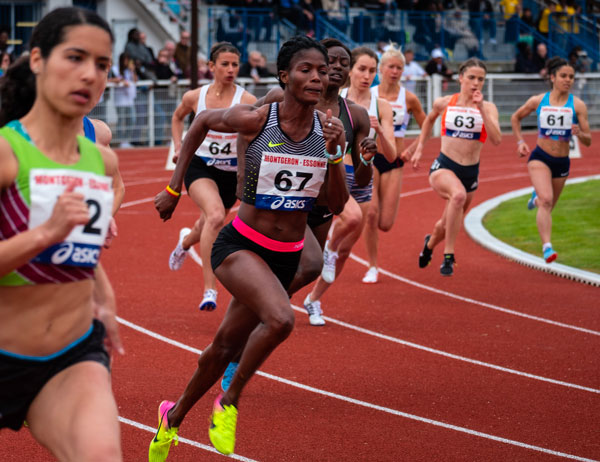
[194,46]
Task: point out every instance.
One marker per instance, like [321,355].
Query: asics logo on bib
[273,145]
[465,135]
[70,253]
[282,202]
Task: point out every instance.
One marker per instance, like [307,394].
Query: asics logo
[62,254]
[273,145]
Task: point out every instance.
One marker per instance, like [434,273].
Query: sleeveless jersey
[282,174]
[463,122]
[556,122]
[373,109]
[401,114]
[88,130]
[218,149]
[29,200]
[346,119]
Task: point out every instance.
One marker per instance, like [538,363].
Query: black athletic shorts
[230,240]
[467,174]
[226,181]
[382,165]
[319,215]
[559,166]
[22,377]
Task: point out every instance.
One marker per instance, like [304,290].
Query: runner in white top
[211,178]
[387,176]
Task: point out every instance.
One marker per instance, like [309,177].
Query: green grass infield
[575,226]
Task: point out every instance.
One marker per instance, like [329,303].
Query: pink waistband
[264,241]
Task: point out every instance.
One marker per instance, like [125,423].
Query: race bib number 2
[288,182]
[82,246]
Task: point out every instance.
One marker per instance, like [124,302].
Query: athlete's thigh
[445,182]
[541,178]
[250,280]
[352,212]
[319,233]
[558,185]
[205,194]
[468,201]
[237,325]
[374,202]
[389,190]
[75,414]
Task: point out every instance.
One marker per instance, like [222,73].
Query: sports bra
[556,122]
[463,122]
[218,149]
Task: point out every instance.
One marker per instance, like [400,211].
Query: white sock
[547,245]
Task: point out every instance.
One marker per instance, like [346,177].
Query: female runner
[289,147]
[55,207]
[345,232]
[211,178]
[467,121]
[387,179]
[561,115]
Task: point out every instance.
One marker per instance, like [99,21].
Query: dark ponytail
[17,86]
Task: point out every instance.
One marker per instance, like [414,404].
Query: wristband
[366,162]
[520,142]
[338,155]
[172,192]
[335,161]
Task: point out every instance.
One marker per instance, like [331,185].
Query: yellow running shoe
[160,445]
[222,427]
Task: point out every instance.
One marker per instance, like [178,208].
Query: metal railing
[148,121]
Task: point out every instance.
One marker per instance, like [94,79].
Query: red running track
[499,362]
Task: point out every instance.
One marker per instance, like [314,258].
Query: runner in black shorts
[272,215]
[467,120]
[211,178]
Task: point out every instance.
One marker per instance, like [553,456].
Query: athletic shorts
[319,215]
[225,181]
[23,377]
[467,174]
[559,166]
[382,165]
[360,193]
[284,264]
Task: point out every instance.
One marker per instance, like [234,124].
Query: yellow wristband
[336,161]
[172,192]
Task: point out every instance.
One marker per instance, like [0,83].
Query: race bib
[82,246]
[463,122]
[219,150]
[287,182]
[556,121]
[399,113]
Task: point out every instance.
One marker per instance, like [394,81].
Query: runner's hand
[368,148]
[69,211]
[332,129]
[165,204]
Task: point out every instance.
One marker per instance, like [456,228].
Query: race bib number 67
[82,246]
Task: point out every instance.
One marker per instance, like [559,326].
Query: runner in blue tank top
[285,150]
[560,117]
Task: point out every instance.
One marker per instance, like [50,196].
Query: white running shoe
[329,259]
[209,302]
[371,276]
[314,312]
[179,253]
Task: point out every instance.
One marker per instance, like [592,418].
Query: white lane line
[135,424]
[477,302]
[365,404]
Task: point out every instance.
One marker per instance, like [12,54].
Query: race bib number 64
[82,246]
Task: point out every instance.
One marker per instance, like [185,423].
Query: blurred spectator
[512,12]
[125,77]
[481,18]
[540,57]
[255,67]
[143,38]
[544,19]
[163,67]
[579,60]
[524,63]
[230,28]
[204,71]
[139,54]
[336,12]
[5,62]
[301,13]
[182,53]
[456,31]
[436,65]
[565,16]
[4,46]
[169,47]
[162,95]
[411,69]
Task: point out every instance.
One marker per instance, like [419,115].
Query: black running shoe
[447,267]
[425,255]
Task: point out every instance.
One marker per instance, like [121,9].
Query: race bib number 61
[82,246]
